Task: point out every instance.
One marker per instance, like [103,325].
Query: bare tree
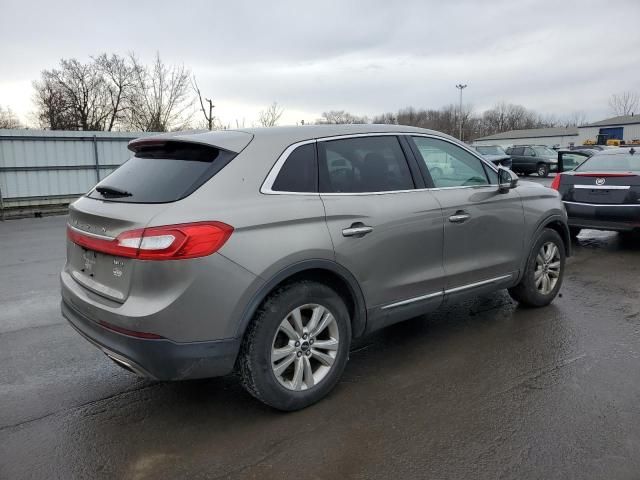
[83,96]
[84,89]
[385,119]
[624,103]
[210,119]
[53,109]
[506,116]
[270,116]
[8,119]
[119,82]
[160,101]
[340,117]
[574,119]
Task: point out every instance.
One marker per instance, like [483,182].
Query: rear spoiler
[230,140]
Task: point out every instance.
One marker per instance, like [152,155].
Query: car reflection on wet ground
[482,389]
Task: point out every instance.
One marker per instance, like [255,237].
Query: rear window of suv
[162,173]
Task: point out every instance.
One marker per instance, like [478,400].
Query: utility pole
[461,87]
[210,117]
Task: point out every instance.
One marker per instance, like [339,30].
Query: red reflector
[171,242]
[605,174]
[131,333]
[556,182]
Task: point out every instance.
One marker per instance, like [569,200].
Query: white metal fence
[42,167]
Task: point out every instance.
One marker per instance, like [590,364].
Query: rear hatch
[106,227]
[601,188]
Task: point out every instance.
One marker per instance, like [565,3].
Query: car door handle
[459,217]
[356,231]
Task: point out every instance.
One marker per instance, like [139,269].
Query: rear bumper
[622,218]
[159,359]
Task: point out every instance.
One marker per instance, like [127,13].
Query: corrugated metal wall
[40,167]
[630,132]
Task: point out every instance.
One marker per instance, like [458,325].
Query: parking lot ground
[484,389]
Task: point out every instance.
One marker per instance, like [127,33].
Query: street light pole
[461,87]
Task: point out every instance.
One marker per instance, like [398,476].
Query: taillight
[556,182]
[171,242]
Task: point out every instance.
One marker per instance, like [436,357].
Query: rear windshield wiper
[112,192]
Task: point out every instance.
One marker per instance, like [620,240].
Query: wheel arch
[554,222]
[323,271]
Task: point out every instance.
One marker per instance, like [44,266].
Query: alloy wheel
[547,271]
[305,347]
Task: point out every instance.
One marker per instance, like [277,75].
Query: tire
[543,170]
[289,389]
[528,292]
[574,232]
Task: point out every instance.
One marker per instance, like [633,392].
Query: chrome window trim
[603,187]
[603,204]
[435,189]
[267,184]
[444,292]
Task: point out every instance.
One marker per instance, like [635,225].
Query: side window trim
[411,156]
[267,185]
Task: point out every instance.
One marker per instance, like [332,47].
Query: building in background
[534,136]
[626,128]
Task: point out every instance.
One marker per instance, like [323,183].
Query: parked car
[266,251]
[526,159]
[495,154]
[591,147]
[570,159]
[603,192]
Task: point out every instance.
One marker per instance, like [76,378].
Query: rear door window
[363,164]
[162,173]
[299,172]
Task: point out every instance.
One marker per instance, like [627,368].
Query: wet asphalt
[484,389]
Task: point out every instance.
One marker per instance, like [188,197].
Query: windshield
[491,150]
[545,152]
[611,163]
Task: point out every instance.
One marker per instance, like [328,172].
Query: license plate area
[600,196]
[103,274]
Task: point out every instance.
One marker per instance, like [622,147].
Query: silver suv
[266,251]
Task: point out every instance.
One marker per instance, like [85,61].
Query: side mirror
[507,180]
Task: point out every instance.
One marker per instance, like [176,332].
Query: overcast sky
[366,57]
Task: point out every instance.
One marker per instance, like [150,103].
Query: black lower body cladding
[160,359]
